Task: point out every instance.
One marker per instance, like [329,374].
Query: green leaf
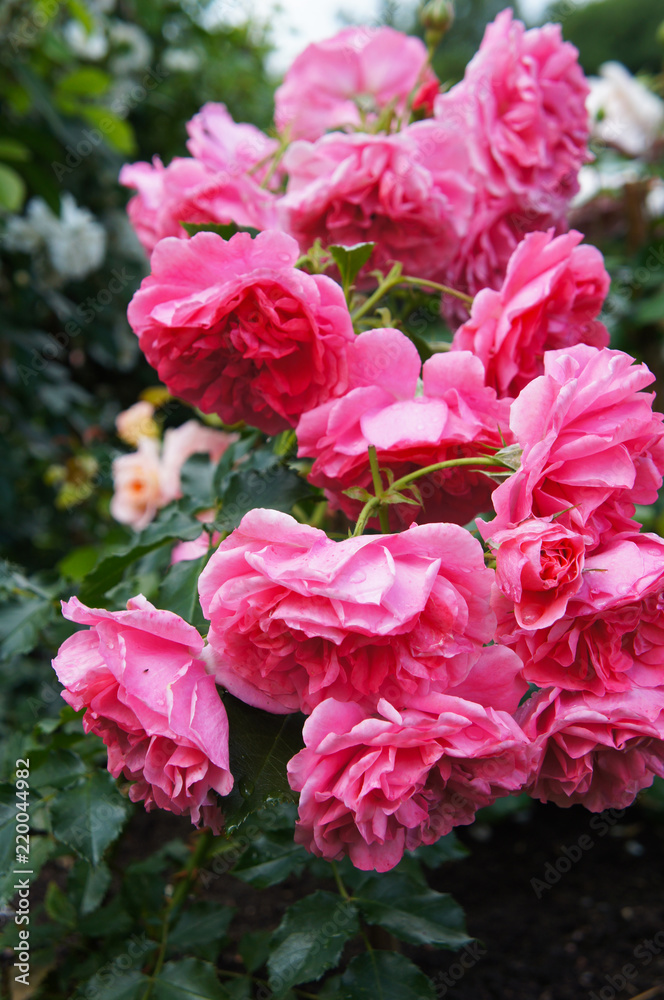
[85,82]
[261,745]
[254,947]
[382,975]
[225,231]
[189,979]
[270,858]
[448,848]
[78,563]
[310,939]
[89,816]
[12,189]
[172,526]
[115,985]
[55,768]
[80,13]
[117,132]
[238,989]
[411,911]
[87,886]
[21,625]
[111,920]
[201,930]
[11,149]
[650,310]
[261,481]
[179,590]
[350,260]
[58,907]
[358,493]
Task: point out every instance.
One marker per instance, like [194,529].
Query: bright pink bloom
[188,191]
[552,292]
[407,192]
[297,618]
[520,111]
[539,566]
[159,207]
[589,437]
[227,147]
[349,79]
[596,751]
[452,415]
[523,100]
[236,329]
[148,695]
[612,635]
[372,786]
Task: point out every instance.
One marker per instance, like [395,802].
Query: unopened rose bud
[437,17]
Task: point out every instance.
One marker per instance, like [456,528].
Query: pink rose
[552,292]
[523,97]
[159,207]
[520,111]
[596,751]
[407,192]
[538,567]
[496,228]
[188,191]
[236,329]
[346,81]
[297,618]
[589,438]
[612,635]
[228,147]
[450,414]
[148,696]
[372,786]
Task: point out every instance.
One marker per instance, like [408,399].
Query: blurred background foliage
[83,88]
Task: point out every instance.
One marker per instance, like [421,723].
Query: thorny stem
[399,484]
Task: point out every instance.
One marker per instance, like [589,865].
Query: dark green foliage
[602,30]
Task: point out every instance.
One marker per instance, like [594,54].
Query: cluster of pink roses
[370,149]
[410,653]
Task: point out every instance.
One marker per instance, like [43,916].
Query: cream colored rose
[137,482]
[137,422]
[623,112]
